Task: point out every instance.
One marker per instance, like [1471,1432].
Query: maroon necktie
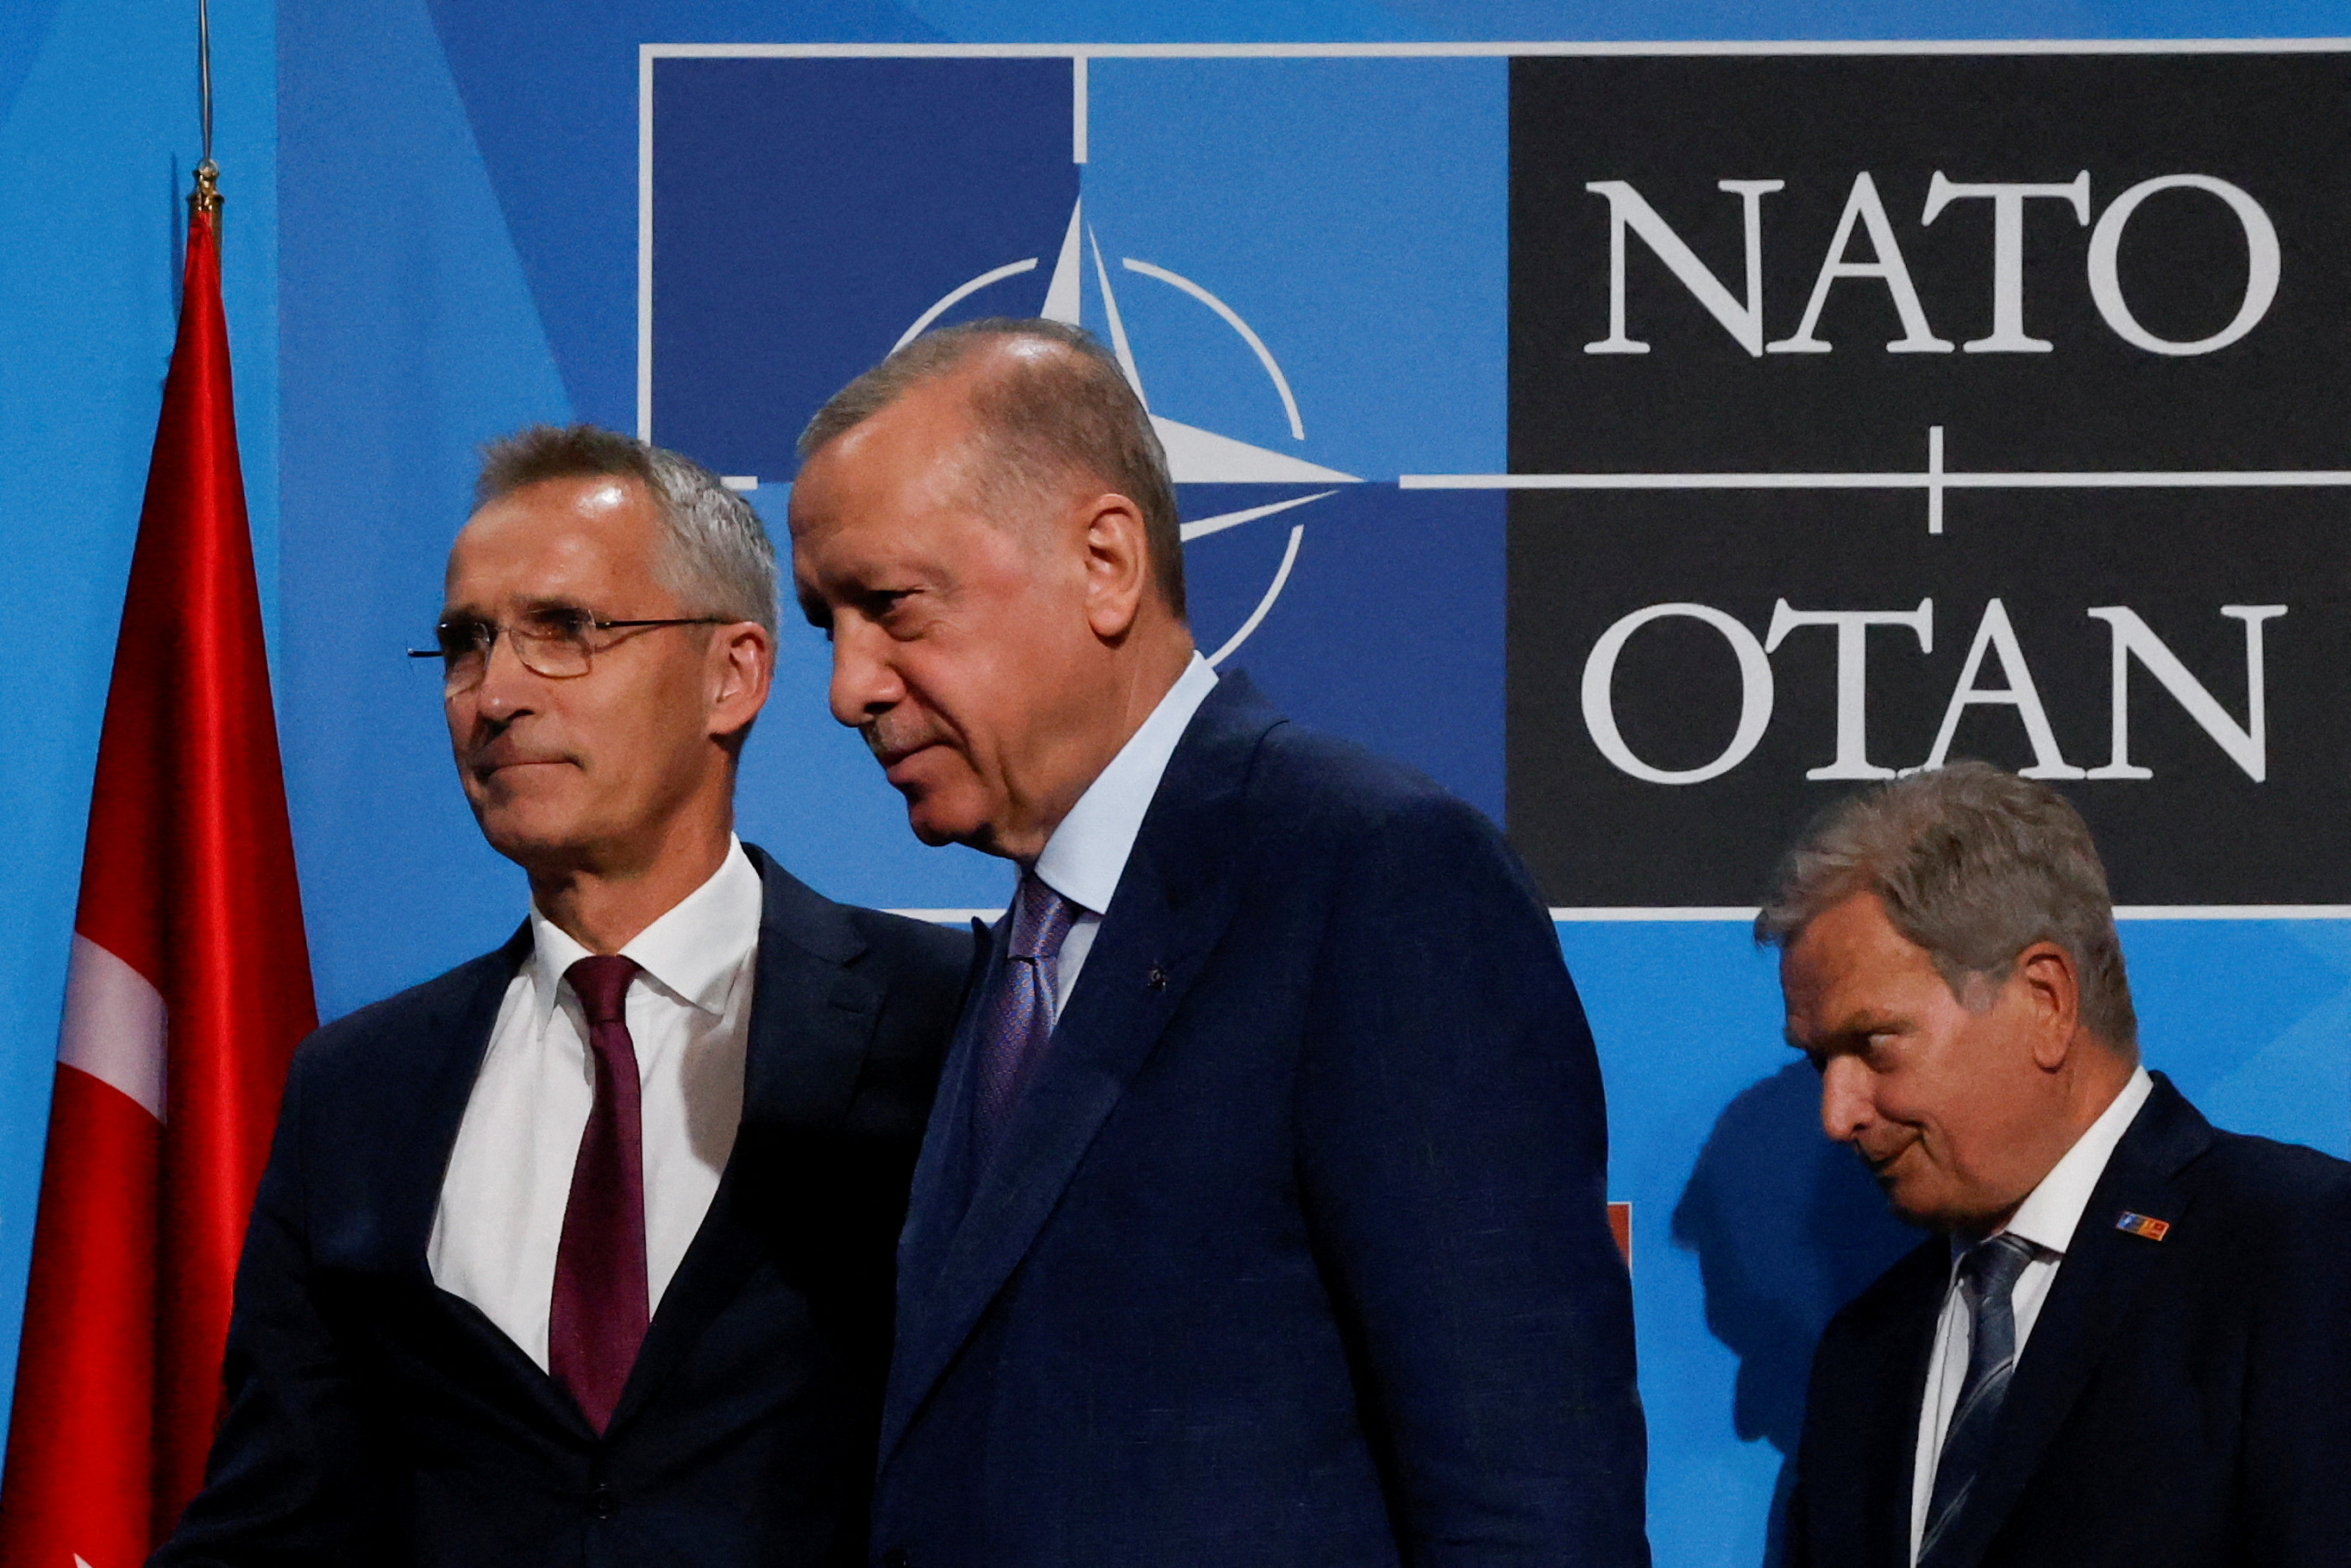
[598,1317]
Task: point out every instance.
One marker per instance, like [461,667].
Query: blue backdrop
[433,239]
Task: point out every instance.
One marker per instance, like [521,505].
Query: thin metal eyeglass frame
[500,629]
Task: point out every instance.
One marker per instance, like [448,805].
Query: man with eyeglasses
[582,1252]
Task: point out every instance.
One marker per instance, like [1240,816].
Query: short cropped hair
[716,557]
[1974,864]
[1043,417]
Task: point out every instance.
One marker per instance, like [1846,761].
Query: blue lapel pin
[2143,1227]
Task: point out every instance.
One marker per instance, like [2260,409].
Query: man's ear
[740,669]
[2053,990]
[1118,564]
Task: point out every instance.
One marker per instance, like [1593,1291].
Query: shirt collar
[694,951]
[2050,1215]
[1087,854]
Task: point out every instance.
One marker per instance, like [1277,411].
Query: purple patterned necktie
[1020,1018]
[599,1313]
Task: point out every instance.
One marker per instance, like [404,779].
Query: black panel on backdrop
[2199,323]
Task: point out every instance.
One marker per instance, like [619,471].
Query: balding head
[1050,413]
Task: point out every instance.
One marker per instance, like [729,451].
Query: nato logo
[1299,264]
[1194,457]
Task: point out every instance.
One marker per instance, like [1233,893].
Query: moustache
[891,742]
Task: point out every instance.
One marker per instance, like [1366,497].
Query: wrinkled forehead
[929,450]
[1809,991]
[573,539]
[1851,951]
[876,476]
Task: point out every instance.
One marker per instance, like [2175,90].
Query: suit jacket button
[601,1503]
[896,1557]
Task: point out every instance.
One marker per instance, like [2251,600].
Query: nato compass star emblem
[1194,457]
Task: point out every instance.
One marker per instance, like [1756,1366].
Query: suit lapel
[943,1175]
[1174,901]
[811,1022]
[2103,1272]
[460,1036]
[1897,1388]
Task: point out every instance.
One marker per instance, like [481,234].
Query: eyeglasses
[555,642]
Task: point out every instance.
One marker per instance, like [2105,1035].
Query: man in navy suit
[2129,1342]
[1261,1218]
[581,1253]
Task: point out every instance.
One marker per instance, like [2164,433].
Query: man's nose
[1846,1104]
[865,681]
[507,684]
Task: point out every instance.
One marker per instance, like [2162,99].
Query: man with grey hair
[2129,1342]
[581,1252]
[1262,1216]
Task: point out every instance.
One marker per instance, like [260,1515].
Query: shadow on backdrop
[1787,1228]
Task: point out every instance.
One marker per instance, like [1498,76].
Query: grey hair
[1974,864]
[1044,417]
[718,557]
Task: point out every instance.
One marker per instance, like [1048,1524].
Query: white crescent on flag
[114,1026]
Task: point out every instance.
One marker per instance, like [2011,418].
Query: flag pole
[187,986]
[206,197]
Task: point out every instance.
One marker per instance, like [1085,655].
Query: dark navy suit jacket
[1296,1250]
[2183,1402]
[373,1418]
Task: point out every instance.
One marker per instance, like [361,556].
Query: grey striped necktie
[1988,1275]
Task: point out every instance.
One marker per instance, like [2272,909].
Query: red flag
[190,931]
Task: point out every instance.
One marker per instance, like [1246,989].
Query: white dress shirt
[2047,1218]
[1087,854]
[509,1176]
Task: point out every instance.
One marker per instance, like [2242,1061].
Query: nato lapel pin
[2143,1227]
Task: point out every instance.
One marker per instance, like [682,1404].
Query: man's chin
[935,837]
[1911,1201]
[532,840]
[939,823]
[1943,1213]
[1924,1218]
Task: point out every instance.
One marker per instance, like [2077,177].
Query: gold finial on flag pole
[206,197]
